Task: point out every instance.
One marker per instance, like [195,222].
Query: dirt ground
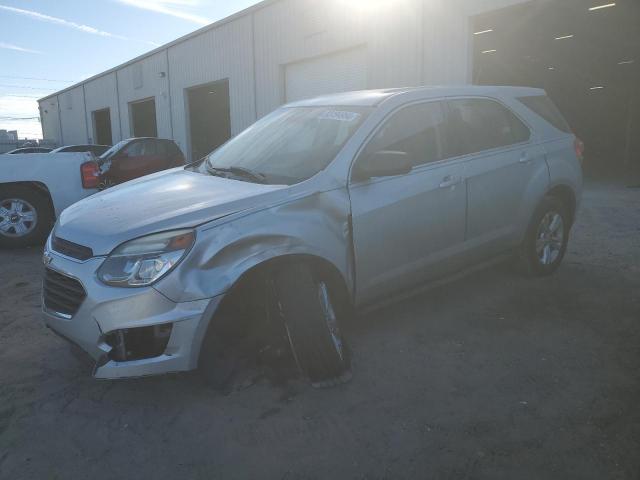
[493,376]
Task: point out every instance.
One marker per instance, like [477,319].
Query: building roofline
[234,16]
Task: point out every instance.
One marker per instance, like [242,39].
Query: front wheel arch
[246,284]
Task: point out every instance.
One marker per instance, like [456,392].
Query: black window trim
[378,127]
[457,159]
[569,130]
[505,148]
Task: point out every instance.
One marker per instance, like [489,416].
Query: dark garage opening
[143,118]
[209,117]
[102,127]
[586,54]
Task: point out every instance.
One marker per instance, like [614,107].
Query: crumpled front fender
[316,225]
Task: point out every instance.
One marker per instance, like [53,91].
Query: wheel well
[249,290]
[567,197]
[40,187]
[319,265]
[240,315]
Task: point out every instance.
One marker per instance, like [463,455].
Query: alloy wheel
[17,217]
[550,238]
[330,317]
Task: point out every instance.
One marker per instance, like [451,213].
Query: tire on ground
[43,210]
[314,348]
[529,262]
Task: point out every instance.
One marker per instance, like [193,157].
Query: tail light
[90,173]
[579,146]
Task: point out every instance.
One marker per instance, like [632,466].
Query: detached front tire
[25,216]
[546,240]
[312,322]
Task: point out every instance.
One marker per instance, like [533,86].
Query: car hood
[166,200]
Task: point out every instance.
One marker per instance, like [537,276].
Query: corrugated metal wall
[49,116]
[102,93]
[407,42]
[147,78]
[224,52]
[72,116]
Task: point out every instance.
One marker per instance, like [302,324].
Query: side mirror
[384,163]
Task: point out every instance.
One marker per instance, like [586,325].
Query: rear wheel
[546,241]
[25,216]
[312,322]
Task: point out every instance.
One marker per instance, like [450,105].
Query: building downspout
[118,103]
[86,122]
[61,136]
[423,37]
[166,51]
[253,55]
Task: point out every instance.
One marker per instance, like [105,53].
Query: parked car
[34,189]
[28,150]
[321,207]
[97,150]
[137,157]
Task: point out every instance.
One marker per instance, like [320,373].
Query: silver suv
[321,207]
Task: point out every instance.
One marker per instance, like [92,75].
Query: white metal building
[216,81]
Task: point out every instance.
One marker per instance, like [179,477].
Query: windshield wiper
[240,172]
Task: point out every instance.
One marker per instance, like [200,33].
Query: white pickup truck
[35,188]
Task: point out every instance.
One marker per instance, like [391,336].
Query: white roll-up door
[340,72]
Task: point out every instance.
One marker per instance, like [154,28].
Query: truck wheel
[546,240]
[312,325]
[25,216]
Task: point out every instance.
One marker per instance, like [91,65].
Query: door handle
[450,181]
[524,158]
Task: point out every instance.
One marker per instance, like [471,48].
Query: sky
[47,45]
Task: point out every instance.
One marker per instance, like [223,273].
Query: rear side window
[161,148]
[150,147]
[544,107]
[414,130]
[478,124]
[135,149]
[173,149]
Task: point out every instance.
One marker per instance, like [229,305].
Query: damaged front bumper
[129,332]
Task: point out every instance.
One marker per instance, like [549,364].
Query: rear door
[407,228]
[175,154]
[136,160]
[501,162]
[168,152]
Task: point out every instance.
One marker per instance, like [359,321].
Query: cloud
[174,8]
[9,46]
[65,23]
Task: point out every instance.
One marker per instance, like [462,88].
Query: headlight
[145,260]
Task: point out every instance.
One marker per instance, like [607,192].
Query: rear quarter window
[479,124]
[545,108]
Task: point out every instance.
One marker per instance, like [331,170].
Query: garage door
[341,72]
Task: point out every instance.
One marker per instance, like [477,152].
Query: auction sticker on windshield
[340,116]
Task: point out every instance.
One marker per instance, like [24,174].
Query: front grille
[70,249]
[62,294]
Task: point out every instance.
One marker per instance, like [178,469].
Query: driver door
[408,228]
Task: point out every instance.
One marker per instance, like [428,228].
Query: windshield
[288,146]
[109,153]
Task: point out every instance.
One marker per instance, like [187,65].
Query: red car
[136,157]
